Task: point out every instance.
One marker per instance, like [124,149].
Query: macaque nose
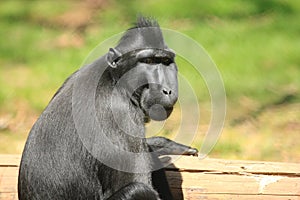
[166,91]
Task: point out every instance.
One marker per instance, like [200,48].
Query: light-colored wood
[191,178]
[8,196]
[9,160]
[194,194]
[227,179]
[190,163]
[9,166]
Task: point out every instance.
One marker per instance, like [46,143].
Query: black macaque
[71,157]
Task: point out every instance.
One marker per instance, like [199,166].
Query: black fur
[58,162]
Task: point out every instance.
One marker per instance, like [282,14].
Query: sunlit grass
[254,44]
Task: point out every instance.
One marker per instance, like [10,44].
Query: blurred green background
[254,43]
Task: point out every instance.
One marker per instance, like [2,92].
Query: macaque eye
[166,61]
[148,60]
[156,60]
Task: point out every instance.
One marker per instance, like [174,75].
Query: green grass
[254,44]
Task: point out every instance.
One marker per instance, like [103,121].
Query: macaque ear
[112,57]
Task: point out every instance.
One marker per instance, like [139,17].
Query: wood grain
[191,178]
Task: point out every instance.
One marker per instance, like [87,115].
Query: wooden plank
[8,196]
[9,167]
[191,178]
[207,183]
[8,183]
[190,163]
[10,160]
[223,179]
[195,194]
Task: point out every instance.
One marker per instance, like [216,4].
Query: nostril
[167,92]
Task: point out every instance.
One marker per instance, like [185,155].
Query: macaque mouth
[158,112]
